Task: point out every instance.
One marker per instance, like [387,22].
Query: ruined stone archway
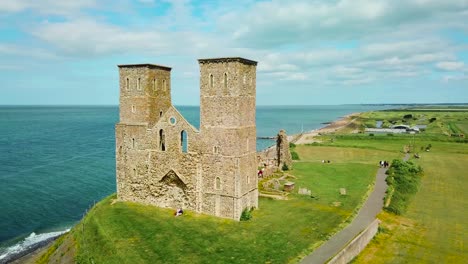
[171,191]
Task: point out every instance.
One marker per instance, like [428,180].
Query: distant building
[395,129]
[164,161]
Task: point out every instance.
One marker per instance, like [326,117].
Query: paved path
[366,215]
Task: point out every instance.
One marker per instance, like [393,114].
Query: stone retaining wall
[358,244]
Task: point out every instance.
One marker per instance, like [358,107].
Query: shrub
[432,119]
[246,214]
[285,167]
[294,155]
[408,116]
[404,177]
[292,145]
[390,134]
[371,134]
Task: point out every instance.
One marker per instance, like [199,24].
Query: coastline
[308,137]
[32,252]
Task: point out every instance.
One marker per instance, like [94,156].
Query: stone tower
[145,92]
[162,160]
[227,127]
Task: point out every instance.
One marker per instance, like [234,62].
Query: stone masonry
[282,150]
[164,161]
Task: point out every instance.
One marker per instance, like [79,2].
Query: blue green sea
[57,161]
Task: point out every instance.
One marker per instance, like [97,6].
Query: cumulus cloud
[334,43]
[450,65]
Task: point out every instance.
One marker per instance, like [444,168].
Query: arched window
[139,84]
[211,81]
[162,143]
[225,81]
[154,84]
[133,109]
[160,113]
[127,84]
[134,173]
[218,183]
[184,141]
[133,143]
[164,85]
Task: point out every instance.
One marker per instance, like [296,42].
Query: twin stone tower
[164,161]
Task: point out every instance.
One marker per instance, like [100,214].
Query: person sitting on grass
[179,212]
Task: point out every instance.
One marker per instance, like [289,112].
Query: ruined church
[162,160]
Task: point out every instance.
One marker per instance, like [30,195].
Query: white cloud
[450,65]
[47,6]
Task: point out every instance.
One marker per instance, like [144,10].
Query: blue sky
[309,52]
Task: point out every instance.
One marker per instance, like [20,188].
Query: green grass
[463,127]
[433,228]
[279,232]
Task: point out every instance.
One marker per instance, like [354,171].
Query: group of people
[326,161]
[384,164]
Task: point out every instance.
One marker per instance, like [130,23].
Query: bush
[432,119]
[294,155]
[284,167]
[246,214]
[292,145]
[404,177]
[371,135]
[408,116]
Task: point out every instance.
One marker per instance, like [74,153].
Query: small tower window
[218,183]
[184,141]
[133,109]
[154,84]
[139,84]
[133,143]
[225,81]
[245,79]
[211,81]
[127,84]
[164,85]
[134,173]
[215,149]
[162,143]
[160,113]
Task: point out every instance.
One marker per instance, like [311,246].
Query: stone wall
[356,245]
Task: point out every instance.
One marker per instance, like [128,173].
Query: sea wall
[358,244]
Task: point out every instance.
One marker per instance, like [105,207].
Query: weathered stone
[163,160]
[282,150]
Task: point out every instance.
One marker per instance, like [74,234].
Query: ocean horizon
[57,161]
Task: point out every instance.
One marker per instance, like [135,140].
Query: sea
[57,161]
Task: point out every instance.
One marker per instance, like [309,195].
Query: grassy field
[433,230]
[280,231]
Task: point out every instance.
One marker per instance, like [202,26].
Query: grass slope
[280,231]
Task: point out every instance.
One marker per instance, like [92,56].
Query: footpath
[365,216]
